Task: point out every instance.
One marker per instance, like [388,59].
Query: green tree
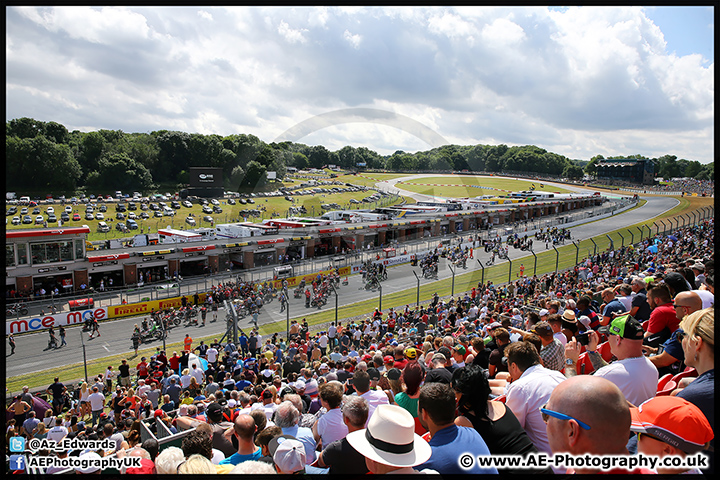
[572,172]
[236,177]
[255,176]
[300,161]
[591,167]
[117,171]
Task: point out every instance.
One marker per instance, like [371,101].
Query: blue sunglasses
[551,413]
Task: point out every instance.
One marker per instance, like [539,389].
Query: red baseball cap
[159,413]
[673,420]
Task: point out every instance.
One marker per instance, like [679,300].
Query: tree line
[45,156]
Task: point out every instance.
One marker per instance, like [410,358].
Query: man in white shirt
[142,388]
[330,427]
[198,373]
[530,389]
[212,355]
[58,432]
[323,343]
[332,334]
[361,382]
[632,372]
[97,403]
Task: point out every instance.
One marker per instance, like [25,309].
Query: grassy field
[547,261]
[269,205]
[460,186]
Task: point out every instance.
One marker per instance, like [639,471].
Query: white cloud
[570,81]
[292,35]
[353,39]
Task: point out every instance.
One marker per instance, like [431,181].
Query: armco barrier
[66,319]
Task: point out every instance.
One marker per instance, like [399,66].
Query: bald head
[596,402]
[245,427]
[690,300]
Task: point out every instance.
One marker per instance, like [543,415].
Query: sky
[578,81]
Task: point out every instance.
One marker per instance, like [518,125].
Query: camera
[583,338]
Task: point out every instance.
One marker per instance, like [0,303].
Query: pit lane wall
[67,319]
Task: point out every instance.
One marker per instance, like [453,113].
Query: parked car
[50,210]
[103,227]
[36,211]
[27,219]
[132,225]
[132,206]
[99,216]
[207,218]
[132,216]
[76,217]
[120,226]
[207,209]
[214,201]
[120,216]
[52,218]
[144,215]
[158,213]
[68,209]
[24,211]
[16,220]
[39,220]
[250,200]
[187,203]
[217,209]
[65,217]
[190,221]
[13,210]
[89,216]
[231,201]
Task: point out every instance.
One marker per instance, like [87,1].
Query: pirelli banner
[309,278]
[144,308]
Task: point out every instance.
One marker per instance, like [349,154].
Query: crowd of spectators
[576,362]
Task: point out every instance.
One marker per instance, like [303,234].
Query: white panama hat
[390,438]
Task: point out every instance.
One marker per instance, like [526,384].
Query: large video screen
[206,177]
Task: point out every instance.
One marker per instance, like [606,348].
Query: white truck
[231,230]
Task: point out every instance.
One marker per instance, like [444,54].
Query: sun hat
[91,463]
[390,438]
[674,421]
[624,326]
[569,316]
[288,453]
